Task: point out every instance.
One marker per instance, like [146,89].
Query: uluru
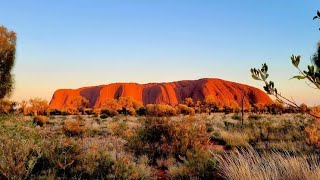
[171,93]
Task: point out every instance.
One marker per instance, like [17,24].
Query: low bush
[201,163]
[160,110]
[40,120]
[184,140]
[126,168]
[38,106]
[254,117]
[55,112]
[118,128]
[109,113]
[7,106]
[142,111]
[198,164]
[185,110]
[18,158]
[70,111]
[104,116]
[236,116]
[161,137]
[73,127]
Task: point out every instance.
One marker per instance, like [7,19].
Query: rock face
[172,93]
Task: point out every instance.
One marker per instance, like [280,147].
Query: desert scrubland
[200,146]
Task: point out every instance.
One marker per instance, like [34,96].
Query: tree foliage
[189,102]
[39,106]
[210,103]
[80,103]
[262,75]
[311,74]
[317,16]
[7,59]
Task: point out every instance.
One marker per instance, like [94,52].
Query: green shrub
[178,171]
[125,168]
[236,116]
[104,116]
[142,111]
[197,164]
[161,137]
[201,163]
[54,112]
[109,113]
[254,117]
[18,158]
[209,128]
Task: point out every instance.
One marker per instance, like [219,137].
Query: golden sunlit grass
[235,139]
[249,164]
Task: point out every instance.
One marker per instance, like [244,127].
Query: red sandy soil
[172,93]
[161,175]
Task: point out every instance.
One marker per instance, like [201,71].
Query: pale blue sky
[76,43]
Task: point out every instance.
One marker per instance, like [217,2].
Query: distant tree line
[129,106]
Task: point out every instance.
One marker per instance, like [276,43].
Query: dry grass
[235,139]
[178,171]
[249,164]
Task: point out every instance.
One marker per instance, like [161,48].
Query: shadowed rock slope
[172,93]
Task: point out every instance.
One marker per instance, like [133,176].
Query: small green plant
[236,116]
[104,116]
[109,113]
[254,117]
[142,111]
[18,158]
[209,127]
